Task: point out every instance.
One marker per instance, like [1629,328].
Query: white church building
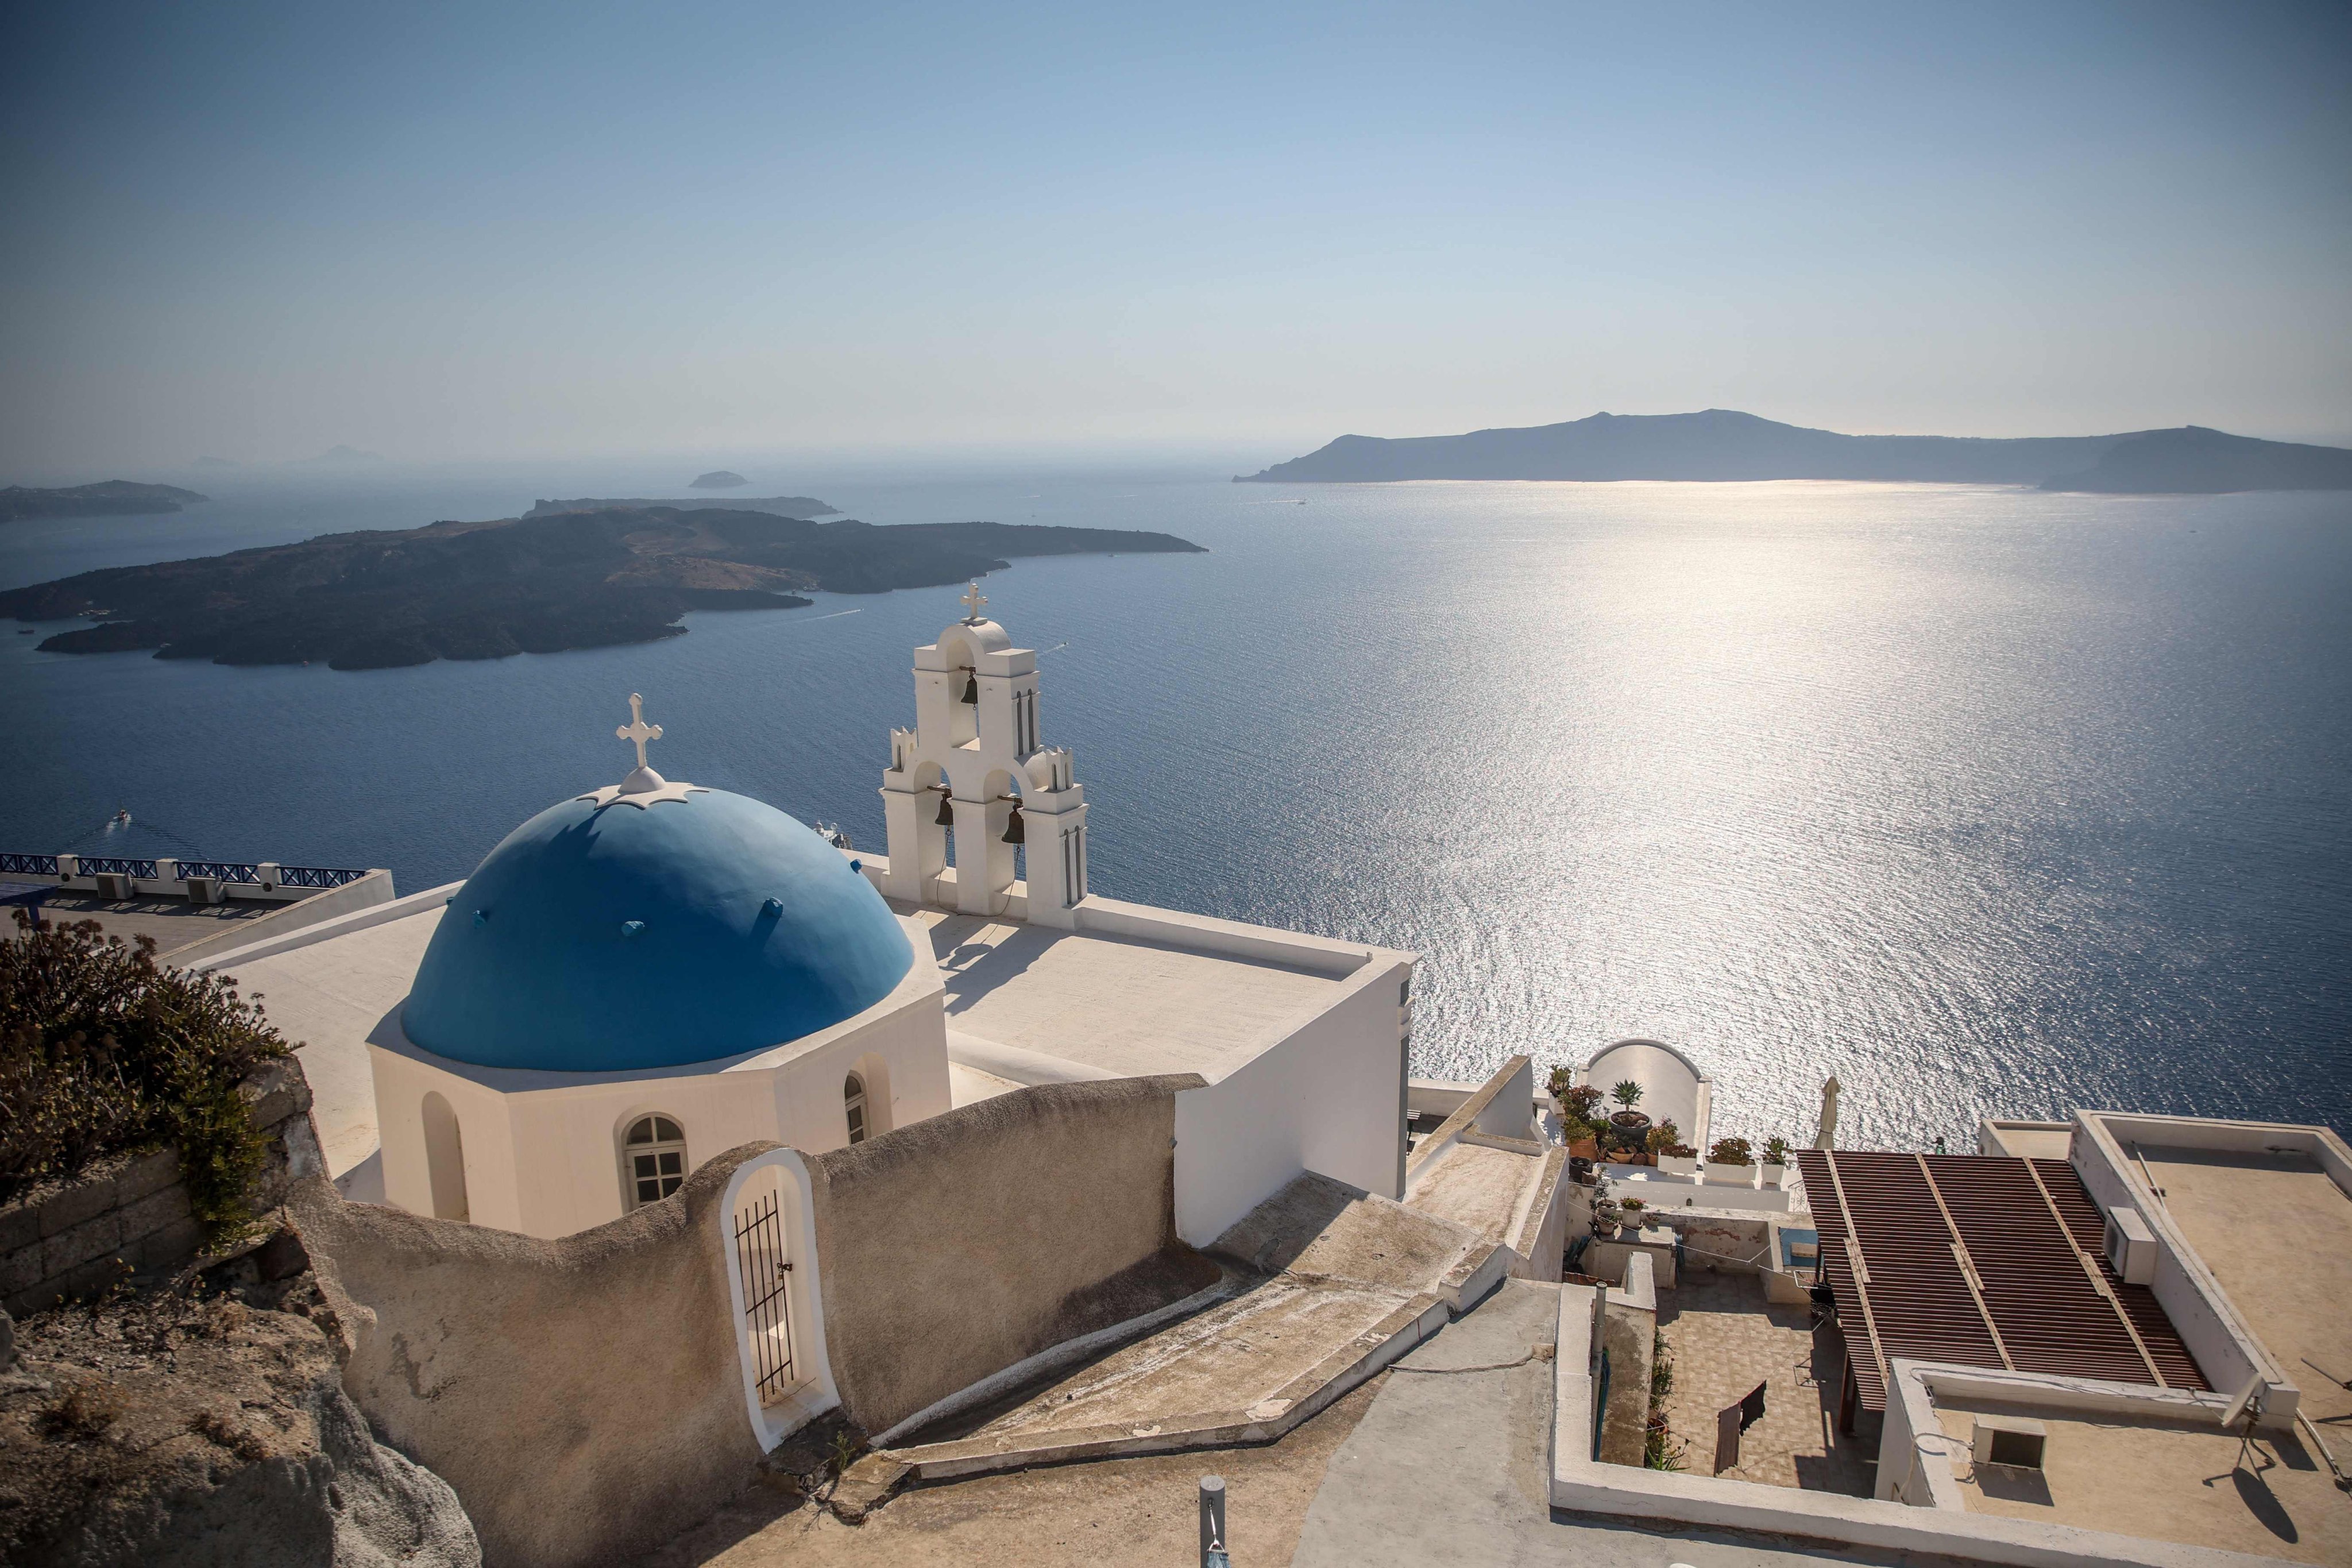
[649,973]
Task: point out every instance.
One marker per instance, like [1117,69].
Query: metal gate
[767,1276]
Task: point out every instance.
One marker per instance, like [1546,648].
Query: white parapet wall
[1914,1456]
[2227,1350]
[1328,1098]
[1674,1089]
[372,891]
[266,938]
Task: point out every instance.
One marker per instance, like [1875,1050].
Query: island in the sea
[537,584]
[1721,444]
[783,505]
[718,479]
[108,498]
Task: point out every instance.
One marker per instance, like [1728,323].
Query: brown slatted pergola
[1980,1260]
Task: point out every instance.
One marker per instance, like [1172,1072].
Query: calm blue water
[1988,801]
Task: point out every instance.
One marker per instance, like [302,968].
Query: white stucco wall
[1329,1098]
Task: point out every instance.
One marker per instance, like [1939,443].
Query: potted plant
[1731,1163]
[1604,1207]
[1630,1211]
[1675,1157]
[1658,1140]
[1776,1159]
[1578,1106]
[1629,1124]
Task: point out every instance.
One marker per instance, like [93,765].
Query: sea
[1990,802]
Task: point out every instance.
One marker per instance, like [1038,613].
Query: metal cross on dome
[636,729]
[972,601]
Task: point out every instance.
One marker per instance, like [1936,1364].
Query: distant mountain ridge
[107,498]
[1724,444]
[803,507]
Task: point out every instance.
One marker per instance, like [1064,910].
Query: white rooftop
[327,994]
[1118,1007]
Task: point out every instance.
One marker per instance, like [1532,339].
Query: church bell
[1013,832]
[971,688]
[946,819]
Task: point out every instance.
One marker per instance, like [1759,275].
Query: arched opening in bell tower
[961,655]
[1008,829]
[934,825]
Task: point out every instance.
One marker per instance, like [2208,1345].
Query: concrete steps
[1325,1285]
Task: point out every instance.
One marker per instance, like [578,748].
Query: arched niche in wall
[769,1230]
[445,1158]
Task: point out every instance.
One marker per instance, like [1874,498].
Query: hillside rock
[210,1430]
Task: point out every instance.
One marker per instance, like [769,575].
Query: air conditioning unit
[2131,1246]
[117,888]
[2017,1441]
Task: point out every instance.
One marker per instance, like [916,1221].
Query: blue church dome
[603,938]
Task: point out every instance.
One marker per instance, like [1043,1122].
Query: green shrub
[1580,1116]
[103,1049]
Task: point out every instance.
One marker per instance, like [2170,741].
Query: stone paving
[1726,1339]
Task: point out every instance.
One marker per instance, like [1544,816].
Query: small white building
[648,973]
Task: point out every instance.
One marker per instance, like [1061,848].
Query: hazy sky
[467,231]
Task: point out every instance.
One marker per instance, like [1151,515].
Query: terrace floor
[2277,1234]
[174,922]
[1125,1007]
[1725,1339]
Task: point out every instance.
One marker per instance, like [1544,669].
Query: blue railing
[316,876]
[244,871]
[93,865]
[221,871]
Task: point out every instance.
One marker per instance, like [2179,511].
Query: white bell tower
[973,758]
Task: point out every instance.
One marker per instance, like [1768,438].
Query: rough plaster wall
[1722,1243]
[581,1395]
[1629,1335]
[954,1247]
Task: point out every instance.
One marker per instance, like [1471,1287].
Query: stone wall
[581,1395]
[585,1396]
[953,1248]
[128,1215]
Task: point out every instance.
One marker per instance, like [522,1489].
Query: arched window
[654,1158]
[852,1095]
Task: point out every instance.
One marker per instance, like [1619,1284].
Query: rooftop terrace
[1120,1008]
[175,923]
[2277,1234]
[2160,1481]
